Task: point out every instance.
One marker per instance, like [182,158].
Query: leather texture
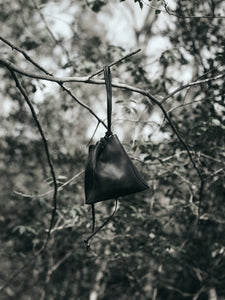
[110,172]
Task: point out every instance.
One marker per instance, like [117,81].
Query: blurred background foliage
[155,247]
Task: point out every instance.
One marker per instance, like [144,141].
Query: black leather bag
[109,171]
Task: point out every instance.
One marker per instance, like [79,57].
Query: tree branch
[49,30]
[190,84]
[183,294]
[85,79]
[24,54]
[25,265]
[116,62]
[45,143]
[60,188]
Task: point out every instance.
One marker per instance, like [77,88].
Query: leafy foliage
[157,246]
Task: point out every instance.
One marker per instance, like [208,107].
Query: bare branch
[25,265]
[116,62]
[24,54]
[59,263]
[61,80]
[194,101]
[45,143]
[85,79]
[190,84]
[49,30]
[93,135]
[183,294]
[202,289]
[60,188]
[186,104]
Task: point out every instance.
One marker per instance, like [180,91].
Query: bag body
[110,172]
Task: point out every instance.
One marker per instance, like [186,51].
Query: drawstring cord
[93,217]
[86,241]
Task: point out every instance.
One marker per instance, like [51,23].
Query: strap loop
[108,85]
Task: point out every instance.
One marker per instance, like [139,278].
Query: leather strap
[86,241]
[108,85]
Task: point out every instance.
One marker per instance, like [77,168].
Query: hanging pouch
[109,172]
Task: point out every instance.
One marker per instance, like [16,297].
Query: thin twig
[96,128]
[176,132]
[190,84]
[115,62]
[185,147]
[60,188]
[52,270]
[59,263]
[24,54]
[183,294]
[25,265]
[186,104]
[202,289]
[50,32]
[217,172]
